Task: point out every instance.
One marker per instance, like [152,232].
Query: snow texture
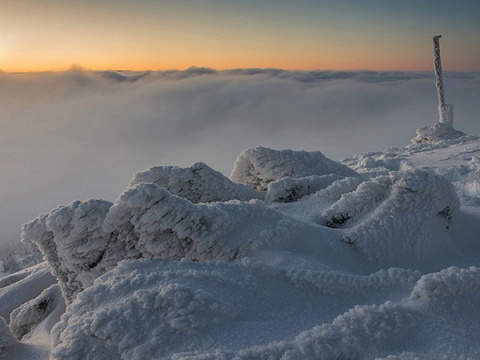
[260,166]
[159,303]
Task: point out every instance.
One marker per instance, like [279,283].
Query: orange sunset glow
[53,35]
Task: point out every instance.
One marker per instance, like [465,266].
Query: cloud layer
[79,134]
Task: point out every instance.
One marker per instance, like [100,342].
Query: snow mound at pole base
[436,132]
[394,218]
[199,183]
[260,166]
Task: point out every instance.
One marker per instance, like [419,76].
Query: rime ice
[295,257]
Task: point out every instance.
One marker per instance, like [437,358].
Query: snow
[295,257]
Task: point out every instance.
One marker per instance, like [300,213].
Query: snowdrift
[378,211]
[294,257]
[162,303]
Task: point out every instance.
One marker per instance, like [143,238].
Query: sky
[45,35]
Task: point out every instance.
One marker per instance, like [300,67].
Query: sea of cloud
[81,134]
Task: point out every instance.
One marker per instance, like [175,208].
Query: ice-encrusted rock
[81,241]
[197,183]
[260,166]
[72,241]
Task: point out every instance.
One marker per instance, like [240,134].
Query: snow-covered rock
[198,183]
[260,166]
[73,242]
[84,240]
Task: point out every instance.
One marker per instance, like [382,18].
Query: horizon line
[80,68]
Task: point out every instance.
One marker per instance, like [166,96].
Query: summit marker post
[445,110]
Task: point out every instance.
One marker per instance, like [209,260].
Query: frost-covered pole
[445,110]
